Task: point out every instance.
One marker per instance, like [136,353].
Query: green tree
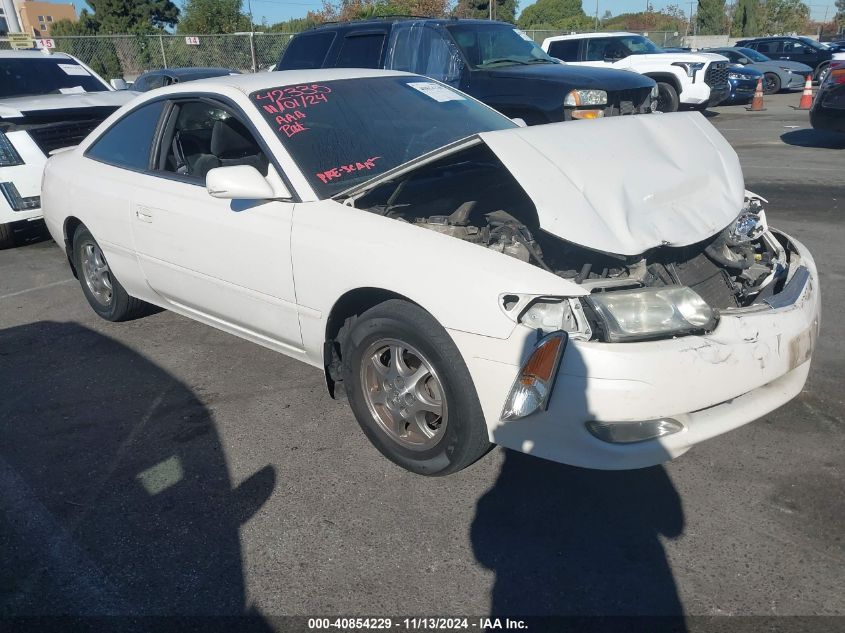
[552,12]
[133,16]
[747,18]
[213,16]
[504,10]
[786,16]
[711,18]
[99,55]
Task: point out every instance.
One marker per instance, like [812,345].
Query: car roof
[391,20]
[579,36]
[259,81]
[191,70]
[31,54]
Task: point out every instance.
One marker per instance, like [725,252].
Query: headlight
[585,98]
[749,225]
[9,156]
[690,67]
[533,385]
[735,76]
[643,313]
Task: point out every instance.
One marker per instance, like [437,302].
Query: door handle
[143,214]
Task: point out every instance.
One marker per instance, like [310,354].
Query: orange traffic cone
[757,101]
[807,95]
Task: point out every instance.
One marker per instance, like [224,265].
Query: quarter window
[127,143]
[307,51]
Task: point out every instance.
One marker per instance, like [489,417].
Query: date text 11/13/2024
[416,624]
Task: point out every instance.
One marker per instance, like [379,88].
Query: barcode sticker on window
[73,69]
[436,91]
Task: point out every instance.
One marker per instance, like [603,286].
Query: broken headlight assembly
[658,312]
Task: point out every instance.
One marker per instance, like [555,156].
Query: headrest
[230,136]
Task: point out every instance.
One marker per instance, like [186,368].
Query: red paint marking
[336,172]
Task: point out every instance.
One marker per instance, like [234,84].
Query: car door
[605,52]
[226,262]
[797,51]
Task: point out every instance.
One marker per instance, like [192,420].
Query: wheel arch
[71,224]
[666,77]
[351,304]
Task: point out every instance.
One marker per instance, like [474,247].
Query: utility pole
[11,15]
[597,15]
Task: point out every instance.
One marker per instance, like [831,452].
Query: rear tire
[771,83]
[667,97]
[410,390]
[821,73]
[7,236]
[101,288]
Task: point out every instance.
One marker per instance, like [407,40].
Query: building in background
[37,18]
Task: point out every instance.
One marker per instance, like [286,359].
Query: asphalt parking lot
[163,467]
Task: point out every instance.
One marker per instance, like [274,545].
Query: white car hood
[624,185]
[669,58]
[14,108]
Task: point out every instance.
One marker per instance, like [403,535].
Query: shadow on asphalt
[115,497]
[809,137]
[570,541]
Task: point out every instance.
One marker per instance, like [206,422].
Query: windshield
[753,55]
[813,43]
[31,76]
[342,133]
[490,45]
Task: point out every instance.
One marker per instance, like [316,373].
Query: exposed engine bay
[477,200]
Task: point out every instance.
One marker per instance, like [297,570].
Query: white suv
[46,102]
[694,79]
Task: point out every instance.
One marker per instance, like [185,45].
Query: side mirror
[520,122]
[119,84]
[239,182]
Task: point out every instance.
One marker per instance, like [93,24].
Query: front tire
[410,390]
[771,83]
[821,73]
[667,97]
[101,288]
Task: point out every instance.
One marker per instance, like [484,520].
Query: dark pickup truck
[493,61]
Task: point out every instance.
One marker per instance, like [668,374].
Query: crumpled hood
[624,185]
[20,106]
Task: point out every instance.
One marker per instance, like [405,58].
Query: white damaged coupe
[604,294]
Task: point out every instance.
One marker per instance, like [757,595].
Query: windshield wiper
[504,60]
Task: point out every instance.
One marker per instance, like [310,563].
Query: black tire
[7,236]
[120,306]
[667,97]
[464,437]
[771,83]
[821,73]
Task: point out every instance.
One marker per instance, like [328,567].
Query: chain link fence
[128,56]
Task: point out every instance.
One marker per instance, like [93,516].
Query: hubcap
[96,273]
[769,84]
[404,394]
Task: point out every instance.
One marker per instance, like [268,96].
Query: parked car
[692,79]
[777,75]
[604,295]
[493,61]
[743,83]
[167,76]
[796,49]
[828,110]
[46,102]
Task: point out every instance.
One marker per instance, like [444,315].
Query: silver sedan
[778,74]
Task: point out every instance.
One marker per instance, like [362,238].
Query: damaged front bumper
[756,360]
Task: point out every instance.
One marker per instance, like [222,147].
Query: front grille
[50,136]
[628,102]
[717,75]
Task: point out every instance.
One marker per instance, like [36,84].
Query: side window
[200,136]
[127,143]
[731,55]
[307,51]
[156,81]
[596,47]
[361,51]
[567,50]
[793,47]
[421,49]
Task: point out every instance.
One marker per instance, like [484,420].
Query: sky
[280,10]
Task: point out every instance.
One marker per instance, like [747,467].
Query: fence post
[161,45]
[252,51]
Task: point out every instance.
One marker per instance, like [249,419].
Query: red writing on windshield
[290,123]
[293,97]
[338,172]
